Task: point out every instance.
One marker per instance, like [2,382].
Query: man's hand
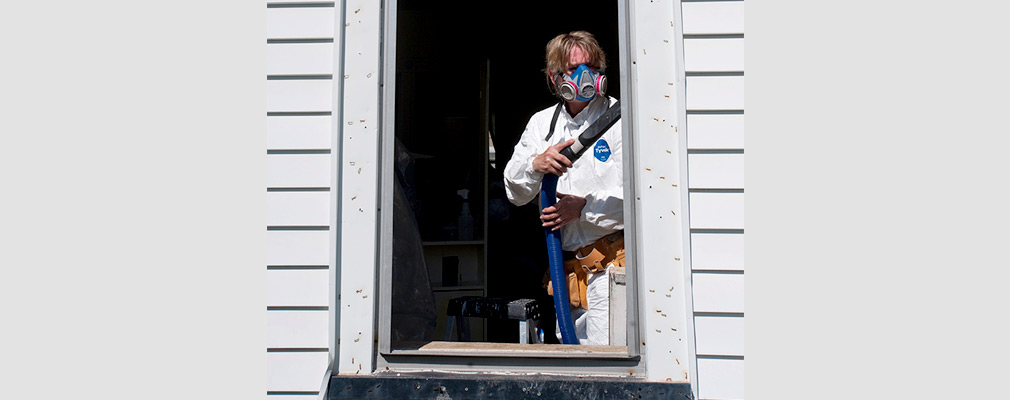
[551,160]
[568,209]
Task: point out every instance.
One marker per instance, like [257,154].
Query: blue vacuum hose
[548,196]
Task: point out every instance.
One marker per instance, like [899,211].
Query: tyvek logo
[601,151]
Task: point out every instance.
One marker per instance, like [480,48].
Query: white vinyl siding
[298,170]
[714,65]
[299,93]
[300,59]
[298,132]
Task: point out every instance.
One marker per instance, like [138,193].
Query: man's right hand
[551,160]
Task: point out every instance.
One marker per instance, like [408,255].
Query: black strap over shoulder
[554,121]
[591,134]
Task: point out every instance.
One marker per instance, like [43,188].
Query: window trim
[630,364]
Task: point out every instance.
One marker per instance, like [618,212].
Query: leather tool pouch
[578,281]
[600,254]
[593,262]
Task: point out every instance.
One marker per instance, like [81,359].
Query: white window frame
[657,234]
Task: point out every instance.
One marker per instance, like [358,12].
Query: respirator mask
[582,85]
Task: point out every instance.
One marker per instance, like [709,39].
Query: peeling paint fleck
[662,177]
[655,119]
[643,51]
[361,120]
[649,169]
[352,163]
[358,291]
[369,75]
[356,11]
[666,95]
[359,171]
[666,41]
[678,361]
[669,152]
[347,77]
[652,290]
[354,197]
[671,212]
[350,122]
[670,83]
[677,258]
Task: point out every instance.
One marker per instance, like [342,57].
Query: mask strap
[554,121]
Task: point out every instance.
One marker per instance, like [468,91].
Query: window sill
[483,349]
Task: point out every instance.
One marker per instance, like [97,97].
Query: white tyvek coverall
[599,179]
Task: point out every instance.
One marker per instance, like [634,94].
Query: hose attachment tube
[548,196]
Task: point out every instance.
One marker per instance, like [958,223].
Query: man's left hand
[568,208]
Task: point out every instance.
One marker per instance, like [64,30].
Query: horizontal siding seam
[718,271]
[298,227]
[707,151]
[704,111]
[291,393]
[297,349]
[713,36]
[718,314]
[719,357]
[296,267]
[298,151]
[299,189]
[716,230]
[299,113]
[299,77]
[713,73]
[298,308]
[300,40]
[303,4]
[715,190]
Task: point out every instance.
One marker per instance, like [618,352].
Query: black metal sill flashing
[436,385]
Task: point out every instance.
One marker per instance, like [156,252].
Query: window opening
[468,78]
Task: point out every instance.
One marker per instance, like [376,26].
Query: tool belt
[593,258]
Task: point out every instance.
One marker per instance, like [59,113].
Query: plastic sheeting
[412,305]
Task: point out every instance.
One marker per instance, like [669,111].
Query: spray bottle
[465,221]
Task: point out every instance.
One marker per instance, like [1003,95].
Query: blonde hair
[561,46]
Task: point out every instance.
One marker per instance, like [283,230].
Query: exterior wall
[303,165]
[299,67]
[714,65]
